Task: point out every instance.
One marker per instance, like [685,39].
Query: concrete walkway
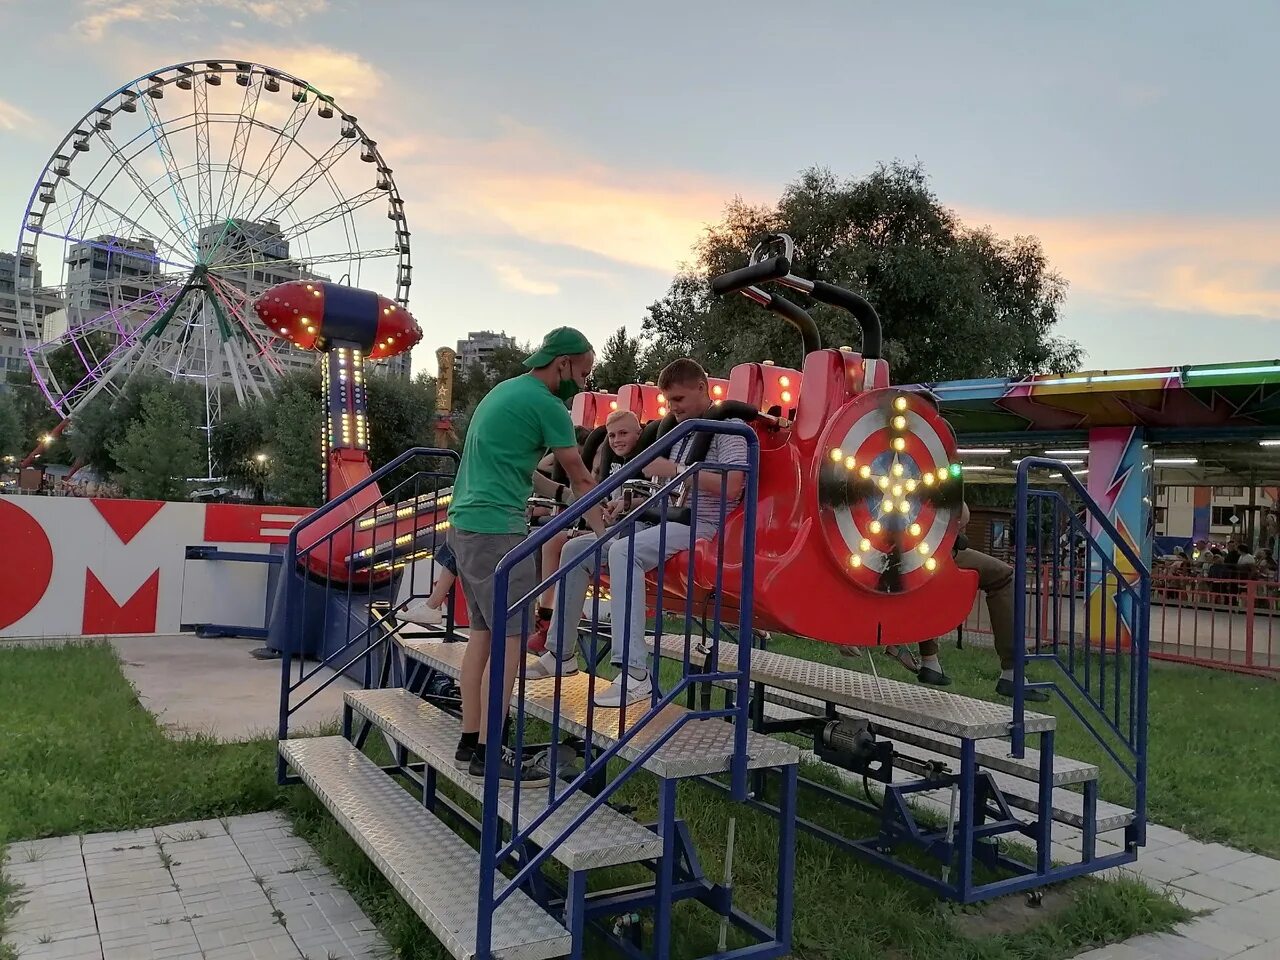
[244,888]
[213,686]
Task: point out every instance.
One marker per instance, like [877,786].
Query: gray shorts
[477,556]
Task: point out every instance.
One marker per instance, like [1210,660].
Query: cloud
[98,17]
[516,279]
[13,119]
[521,182]
[1211,265]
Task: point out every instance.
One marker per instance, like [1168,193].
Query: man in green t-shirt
[514,426]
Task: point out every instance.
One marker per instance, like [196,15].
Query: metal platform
[948,713]
[606,839]
[700,746]
[432,868]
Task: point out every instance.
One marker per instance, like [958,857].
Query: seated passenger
[622,430]
[995,579]
[684,384]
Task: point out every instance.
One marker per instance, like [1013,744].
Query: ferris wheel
[171,205]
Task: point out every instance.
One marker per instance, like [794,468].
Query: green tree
[239,439]
[159,450]
[36,419]
[954,301]
[618,361]
[293,441]
[92,433]
[71,362]
[477,380]
[10,427]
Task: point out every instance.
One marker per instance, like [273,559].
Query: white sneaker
[548,665]
[637,690]
[424,615]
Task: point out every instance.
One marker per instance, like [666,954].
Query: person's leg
[630,559]
[551,553]
[578,559]
[995,579]
[471,684]
[440,592]
[930,671]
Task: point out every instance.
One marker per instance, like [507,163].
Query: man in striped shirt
[684,384]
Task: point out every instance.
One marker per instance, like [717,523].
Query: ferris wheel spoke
[100,375]
[352,256]
[145,189]
[228,293]
[245,122]
[314,222]
[176,185]
[285,137]
[142,231]
[320,167]
[204,172]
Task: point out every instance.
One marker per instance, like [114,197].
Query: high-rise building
[35,308]
[479,347]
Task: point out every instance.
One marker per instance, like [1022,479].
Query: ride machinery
[860,489]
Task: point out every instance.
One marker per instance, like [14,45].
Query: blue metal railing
[1091,619]
[656,507]
[307,595]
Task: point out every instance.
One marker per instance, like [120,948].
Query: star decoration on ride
[889,489]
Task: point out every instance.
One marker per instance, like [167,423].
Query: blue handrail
[490,838]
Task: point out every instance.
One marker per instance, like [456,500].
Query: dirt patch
[1009,915]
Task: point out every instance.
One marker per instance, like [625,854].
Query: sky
[559,159]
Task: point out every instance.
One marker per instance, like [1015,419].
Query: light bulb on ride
[837,455]
[865,545]
[924,549]
[942,474]
[883,483]
[864,471]
[930,564]
[786,396]
[928,479]
[898,469]
[876,526]
[900,403]
[904,507]
[850,463]
[899,444]
[911,485]
[897,490]
[784,382]
[914,529]
[855,561]
[887,506]
[899,423]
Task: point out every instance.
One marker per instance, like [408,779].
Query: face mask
[568,388]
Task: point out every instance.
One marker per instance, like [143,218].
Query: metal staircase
[494,896]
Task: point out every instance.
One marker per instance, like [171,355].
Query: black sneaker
[462,756]
[1004,688]
[934,678]
[527,772]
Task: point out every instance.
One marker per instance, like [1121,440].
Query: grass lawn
[1214,755]
[77,754]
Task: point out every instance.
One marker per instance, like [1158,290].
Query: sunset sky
[558,159]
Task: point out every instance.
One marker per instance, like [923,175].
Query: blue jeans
[624,561]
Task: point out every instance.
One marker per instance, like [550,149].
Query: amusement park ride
[845,536]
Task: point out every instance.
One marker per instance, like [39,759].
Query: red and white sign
[74,566]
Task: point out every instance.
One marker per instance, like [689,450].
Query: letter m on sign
[135,612]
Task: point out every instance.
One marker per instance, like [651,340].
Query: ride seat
[591,410]
[645,400]
[766,387]
[831,379]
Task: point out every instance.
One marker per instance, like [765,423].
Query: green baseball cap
[560,342]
